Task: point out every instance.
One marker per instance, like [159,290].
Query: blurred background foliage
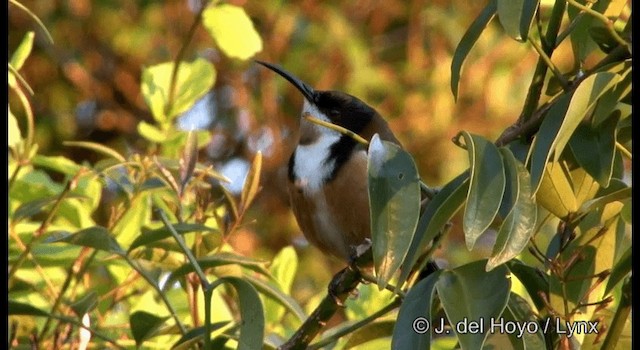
[393,54]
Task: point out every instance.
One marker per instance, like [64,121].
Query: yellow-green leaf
[233,31]
[151,132]
[555,193]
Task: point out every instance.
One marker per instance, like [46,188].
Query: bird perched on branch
[327,172]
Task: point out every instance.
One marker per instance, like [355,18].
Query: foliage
[134,250]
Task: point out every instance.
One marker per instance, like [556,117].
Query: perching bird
[327,172]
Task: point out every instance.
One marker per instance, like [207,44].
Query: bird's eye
[334,113]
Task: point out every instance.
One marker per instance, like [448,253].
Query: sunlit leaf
[283,269]
[468,40]
[415,313]
[193,80]
[394,196]
[13,131]
[188,159]
[252,182]
[232,30]
[150,132]
[584,186]
[516,17]
[136,216]
[520,223]
[444,205]
[60,164]
[220,259]
[34,207]
[17,308]
[23,50]
[486,186]
[599,202]
[556,193]
[470,294]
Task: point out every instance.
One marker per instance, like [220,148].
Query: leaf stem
[625,152]
[547,60]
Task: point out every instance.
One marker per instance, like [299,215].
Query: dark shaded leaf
[437,214]
[145,325]
[619,271]
[163,232]
[188,160]
[470,294]
[17,308]
[486,186]
[468,40]
[195,335]
[415,313]
[96,237]
[85,304]
[34,207]
[252,183]
[394,196]
[516,17]
[278,296]
[369,332]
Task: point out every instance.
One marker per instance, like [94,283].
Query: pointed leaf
[232,31]
[34,207]
[533,280]
[283,269]
[413,325]
[370,332]
[278,296]
[516,17]
[60,164]
[394,196]
[582,101]
[556,193]
[520,223]
[251,313]
[468,40]
[594,149]
[219,259]
[619,271]
[486,186]
[599,202]
[97,148]
[17,308]
[194,80]
[444,205]
[161,233]
[85,304]
[188,159]
[23,50]
[96,237]
[195,335]
[252,183]
[470,294]
[145,325]
[151,132]
[519,312]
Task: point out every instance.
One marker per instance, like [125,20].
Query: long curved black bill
[307,91]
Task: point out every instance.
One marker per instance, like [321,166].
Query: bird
[327,171]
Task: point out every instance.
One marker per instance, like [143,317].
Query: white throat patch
[311,166]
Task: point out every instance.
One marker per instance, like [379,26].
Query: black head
[340,108]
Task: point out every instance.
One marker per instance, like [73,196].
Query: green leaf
[599,202]
[188,159]
[251,313]
[275,295]
[594,149]
[520,223]
[581,40]
[283,269]
[584,186]
[232,31]
[34,207]
[582,100]
[415,313]
[17,308]
[394,196]
[137,215]
[468,40]
[619,271]
[444,205]
[219,259]
[145,325]
[161,233]
[194,80]
[96,237]
[195,335]
[252,183]
[469,295]
[369,332]
[23,50]
[486,187]
[533,280]
[519,312]
[516,17]
[97,147]
[556,193]
[610,102]
[13,130]
[85,304]
[151,132]
[60,164]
